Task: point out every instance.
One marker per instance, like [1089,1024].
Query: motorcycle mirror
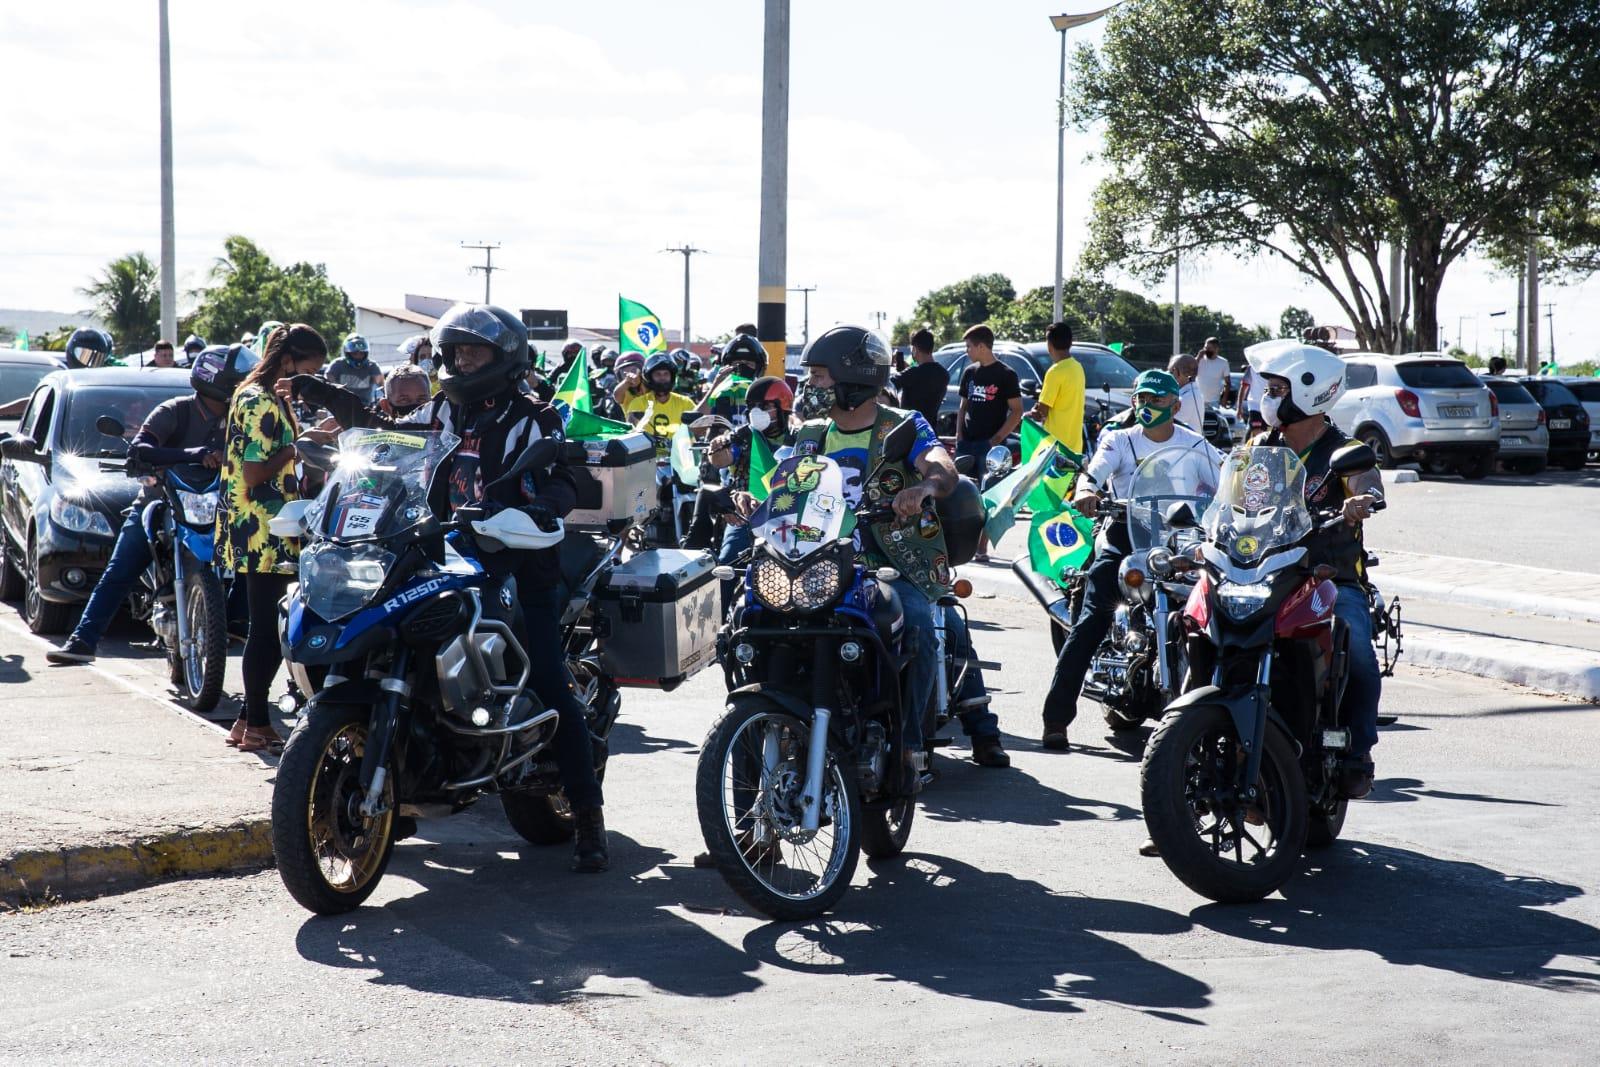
[1180,516]
[897,446]
[109,426]
[539,455]
[998,460]
[1353,458]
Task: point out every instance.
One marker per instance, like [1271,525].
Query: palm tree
[127,298]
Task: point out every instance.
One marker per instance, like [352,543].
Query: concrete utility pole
[1062,24]
[687,251]
[805,320]
[880,316]
[1522,288]
[1550,328]
[1396,268]
[169,267]
[1177,308]
[1533,304]
[488,267]
[773,259]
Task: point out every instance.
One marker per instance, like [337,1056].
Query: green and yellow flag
[761,465]
[587,426]
[639,329]
[1059,539]
[573,393]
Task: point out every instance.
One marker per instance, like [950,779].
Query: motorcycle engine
[463,685]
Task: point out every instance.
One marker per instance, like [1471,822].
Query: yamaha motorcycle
[805,770]
[179,594]
[404,643]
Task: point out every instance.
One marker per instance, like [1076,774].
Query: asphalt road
[1456,922]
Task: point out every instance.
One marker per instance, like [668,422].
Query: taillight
[1494,406]
[1541,416]
[1409,403]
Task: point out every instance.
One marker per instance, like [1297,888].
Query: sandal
[261,739]
[236,734]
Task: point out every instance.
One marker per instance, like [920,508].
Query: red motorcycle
[1243,774]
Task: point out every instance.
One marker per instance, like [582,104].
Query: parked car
[59,512]
[1422,407]
[1524,440]
[1566,419]
[1587,390]
[20,372]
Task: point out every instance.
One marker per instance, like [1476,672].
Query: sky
[377,137]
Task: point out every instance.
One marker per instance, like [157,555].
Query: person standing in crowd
[1211,372]
[1060,404]
[418,351]
[990,410]
[258,478]
[193,345]
[404,391]
[631,394]
[923,385]
[1184,370]
[162,357]
[355,370]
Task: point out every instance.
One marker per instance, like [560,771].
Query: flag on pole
[573,393]
[1059,539]
[22,341]
[639,329]
[1002,499]
[1051,491]
[761,466]
[1115,346]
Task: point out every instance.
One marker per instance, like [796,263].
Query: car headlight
[200,509]
[77,519]
[338,580]
[1241,601]
[814,587]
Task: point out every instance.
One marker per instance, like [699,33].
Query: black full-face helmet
[481,324]
[88,348]
[217,371]
[745,354]
[659,361]
[855,358]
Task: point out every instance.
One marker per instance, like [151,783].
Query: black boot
[590,856]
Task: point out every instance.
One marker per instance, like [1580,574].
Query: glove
[542,517]
[314,390]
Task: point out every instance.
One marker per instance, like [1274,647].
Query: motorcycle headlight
[1242,601]
[338,580]
[815,587]
[199,509]
[76,519]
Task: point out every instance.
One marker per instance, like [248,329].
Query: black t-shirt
[922,389]
[988,392]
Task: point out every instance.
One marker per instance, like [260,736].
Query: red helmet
[770,390]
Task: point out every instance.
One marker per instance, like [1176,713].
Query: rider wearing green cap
[1151,428]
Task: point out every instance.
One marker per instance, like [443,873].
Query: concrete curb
[90,870]
[1494,599]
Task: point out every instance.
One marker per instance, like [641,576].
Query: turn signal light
[962,588]
[1134,579]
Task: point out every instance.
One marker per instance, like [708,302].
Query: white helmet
[1315,377]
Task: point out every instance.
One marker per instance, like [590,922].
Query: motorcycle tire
[539,818]
[741,863]
[1175,828]
[885,830]
[319,769]
[1324,829]
[200,682]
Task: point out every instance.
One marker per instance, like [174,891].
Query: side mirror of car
[1353,458]
[21,448]
[1029,388]
[1180,516]
[110,426]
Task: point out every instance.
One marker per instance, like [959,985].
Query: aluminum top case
[660,612]
[616,481]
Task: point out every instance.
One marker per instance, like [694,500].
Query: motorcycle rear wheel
[547,819]
[1323,830]
[885,831]
[329,856]
[200,675]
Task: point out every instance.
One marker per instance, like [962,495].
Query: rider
[193,345]
[769,409]
[355,370]
[88,348]
[630,393]
[664,409]
[483,353]
[743,361]
[1116,458]
[183,430]
[849,367]
[1299,387]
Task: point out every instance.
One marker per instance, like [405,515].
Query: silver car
[1524,438]
[1587,390]
[1423,407]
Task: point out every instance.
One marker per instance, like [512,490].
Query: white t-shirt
[1212,376]
[1192,409]
[1120,452]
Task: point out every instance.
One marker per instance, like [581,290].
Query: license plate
[1561,424]
[1513,440]
[1458,411]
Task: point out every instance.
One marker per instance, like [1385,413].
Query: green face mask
[1149,416]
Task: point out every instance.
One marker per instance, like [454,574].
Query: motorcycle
[804,771]
[1243,774]
[179,594]
[404,645]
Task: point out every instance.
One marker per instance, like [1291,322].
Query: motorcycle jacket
[1342,547]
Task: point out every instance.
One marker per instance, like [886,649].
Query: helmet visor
[469,324]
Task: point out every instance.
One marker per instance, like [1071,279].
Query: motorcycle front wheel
[329,855]
[199,674]
[748,789]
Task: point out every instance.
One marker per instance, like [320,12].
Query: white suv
[1423,407]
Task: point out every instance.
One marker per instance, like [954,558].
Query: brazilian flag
[639,329]
[761,465]
[573,393]
[587,426]
[1060,540]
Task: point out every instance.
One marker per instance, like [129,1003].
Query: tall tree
[1326,132]
[127,298]
[1293,320]
[248,288]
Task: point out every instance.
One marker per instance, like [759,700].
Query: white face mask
[1269,410]
[760,419]
[426,364]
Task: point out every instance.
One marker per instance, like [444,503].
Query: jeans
[1364,686]
[263,654]
[976,720]
[129,558]
[1100,596]
[574,753]
[978,448]
[736,540]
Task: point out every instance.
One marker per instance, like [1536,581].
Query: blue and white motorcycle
[405,646]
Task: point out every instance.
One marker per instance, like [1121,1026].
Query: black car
[59,512]
[20,374]
[1566,420]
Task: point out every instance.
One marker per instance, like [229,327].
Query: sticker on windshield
[1256,477]
[406,440]
[1246,545]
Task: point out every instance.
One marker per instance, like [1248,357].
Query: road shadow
[1421,911]
[1407,790]
[966,792]
[1018,943]
[498,921]
[631,738]
[12,670]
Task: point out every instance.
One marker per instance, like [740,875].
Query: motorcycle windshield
[806,508]
[1260,505]
[379,483]
[1163,481]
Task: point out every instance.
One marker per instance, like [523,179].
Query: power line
[488,267]
[686,251]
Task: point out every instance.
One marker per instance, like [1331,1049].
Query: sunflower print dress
[258,426]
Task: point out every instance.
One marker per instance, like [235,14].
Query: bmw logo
[317,641]
[506,597]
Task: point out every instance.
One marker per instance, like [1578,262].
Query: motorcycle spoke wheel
[349,847]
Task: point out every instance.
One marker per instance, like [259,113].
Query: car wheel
[1477,467]
[1375,439]
[11,584]
[1573,461]
[41,615]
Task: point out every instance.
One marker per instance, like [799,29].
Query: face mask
[403,409]
[1269,410]
[852,395]
[426,365]
[1150,416]
[813,401]
[760,420]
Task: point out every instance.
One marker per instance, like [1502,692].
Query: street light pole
[169,269]
[772,260]
[1063,23]
[687,251]
[805,320]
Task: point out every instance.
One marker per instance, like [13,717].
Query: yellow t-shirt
[662,417]
[1063,394]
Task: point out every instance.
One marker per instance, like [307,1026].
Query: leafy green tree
[949,311]
[1293,320]
[127,298]
[1322,132]
[248,289]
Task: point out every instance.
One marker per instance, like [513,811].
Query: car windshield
[1551,394]
[128,404]
[1440,374]
[1105,368]
[1588,392]
[17,380]
[1511,393]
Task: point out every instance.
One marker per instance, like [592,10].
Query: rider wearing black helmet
[88,348]
[848,368]
[663,412]
[183,430]
[743,360]
[483,357]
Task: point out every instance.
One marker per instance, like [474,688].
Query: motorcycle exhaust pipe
[1051,598]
